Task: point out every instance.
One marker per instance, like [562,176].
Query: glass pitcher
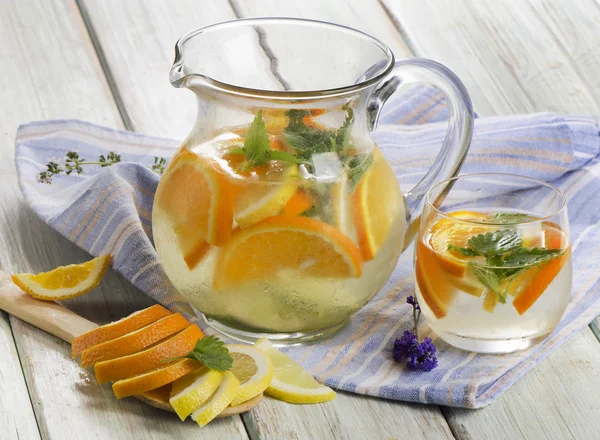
[279,217]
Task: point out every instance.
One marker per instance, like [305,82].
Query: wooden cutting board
[67,325]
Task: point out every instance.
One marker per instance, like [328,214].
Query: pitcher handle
[460,126]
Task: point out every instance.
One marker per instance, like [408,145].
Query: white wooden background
[107,61]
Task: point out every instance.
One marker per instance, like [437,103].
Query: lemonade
[280,227]
[490,280]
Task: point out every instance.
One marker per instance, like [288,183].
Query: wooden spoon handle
[47,315]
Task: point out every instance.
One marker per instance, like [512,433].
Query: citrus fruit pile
[444,266]
[270,219]
[144,355]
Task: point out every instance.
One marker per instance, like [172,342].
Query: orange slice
[155,379]
[306,245]
[448,232]
[376,205]
[134,364]
[119,328]
[134,341]
[64,282]
[159,395]
[437,291]
[198,198]
[298,203]
[539,278]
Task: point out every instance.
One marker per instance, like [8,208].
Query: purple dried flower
[422,356]
[419,356]
[413,302]
[404,346]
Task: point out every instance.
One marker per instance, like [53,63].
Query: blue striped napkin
[108,210]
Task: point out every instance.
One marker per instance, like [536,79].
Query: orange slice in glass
[298,203]
[134,364]
[447,232]
[436,289]
[198,197]
[134,341]
[155,379]
[376,204]
[306,245]
[119,328]
[535,281]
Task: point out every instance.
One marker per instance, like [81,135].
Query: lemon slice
[253,368]
[292,383]
[64,282]
[191,391]
[260,200]
[218,401]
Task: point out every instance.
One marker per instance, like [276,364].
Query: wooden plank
[16,413]
[573,28]
[136,40]
[510,63]
[365,15]
[503,51]
[349,415]
[557,400]
[50,70]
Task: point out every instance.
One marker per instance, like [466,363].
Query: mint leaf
[358,165]
[530,257]
[297,141]
[495,243]
[508,218]
[491,279]
[211,352]
[283,155]
[467,252]
[256,144]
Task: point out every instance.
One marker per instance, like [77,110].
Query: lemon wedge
[191,391]
[253,368]
[64,282]
[218,401]
[292,383]
[260,200]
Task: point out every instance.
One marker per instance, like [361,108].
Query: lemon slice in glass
[292,383]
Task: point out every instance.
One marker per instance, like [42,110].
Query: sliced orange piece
[376,204]
[467,216]
[159,395]
[64,282]
[446,232]
[541,277]
[306,245]
[437,291]
[119,328]
[298,203]
[134,364]
[155,379]
[198,198]
[134,341]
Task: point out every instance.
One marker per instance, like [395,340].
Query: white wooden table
[107,61]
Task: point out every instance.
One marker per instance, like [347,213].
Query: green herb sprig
[505,258]
[211,352]
[74,164]
[257,147]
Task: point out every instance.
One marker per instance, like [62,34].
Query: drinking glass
[493,265]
